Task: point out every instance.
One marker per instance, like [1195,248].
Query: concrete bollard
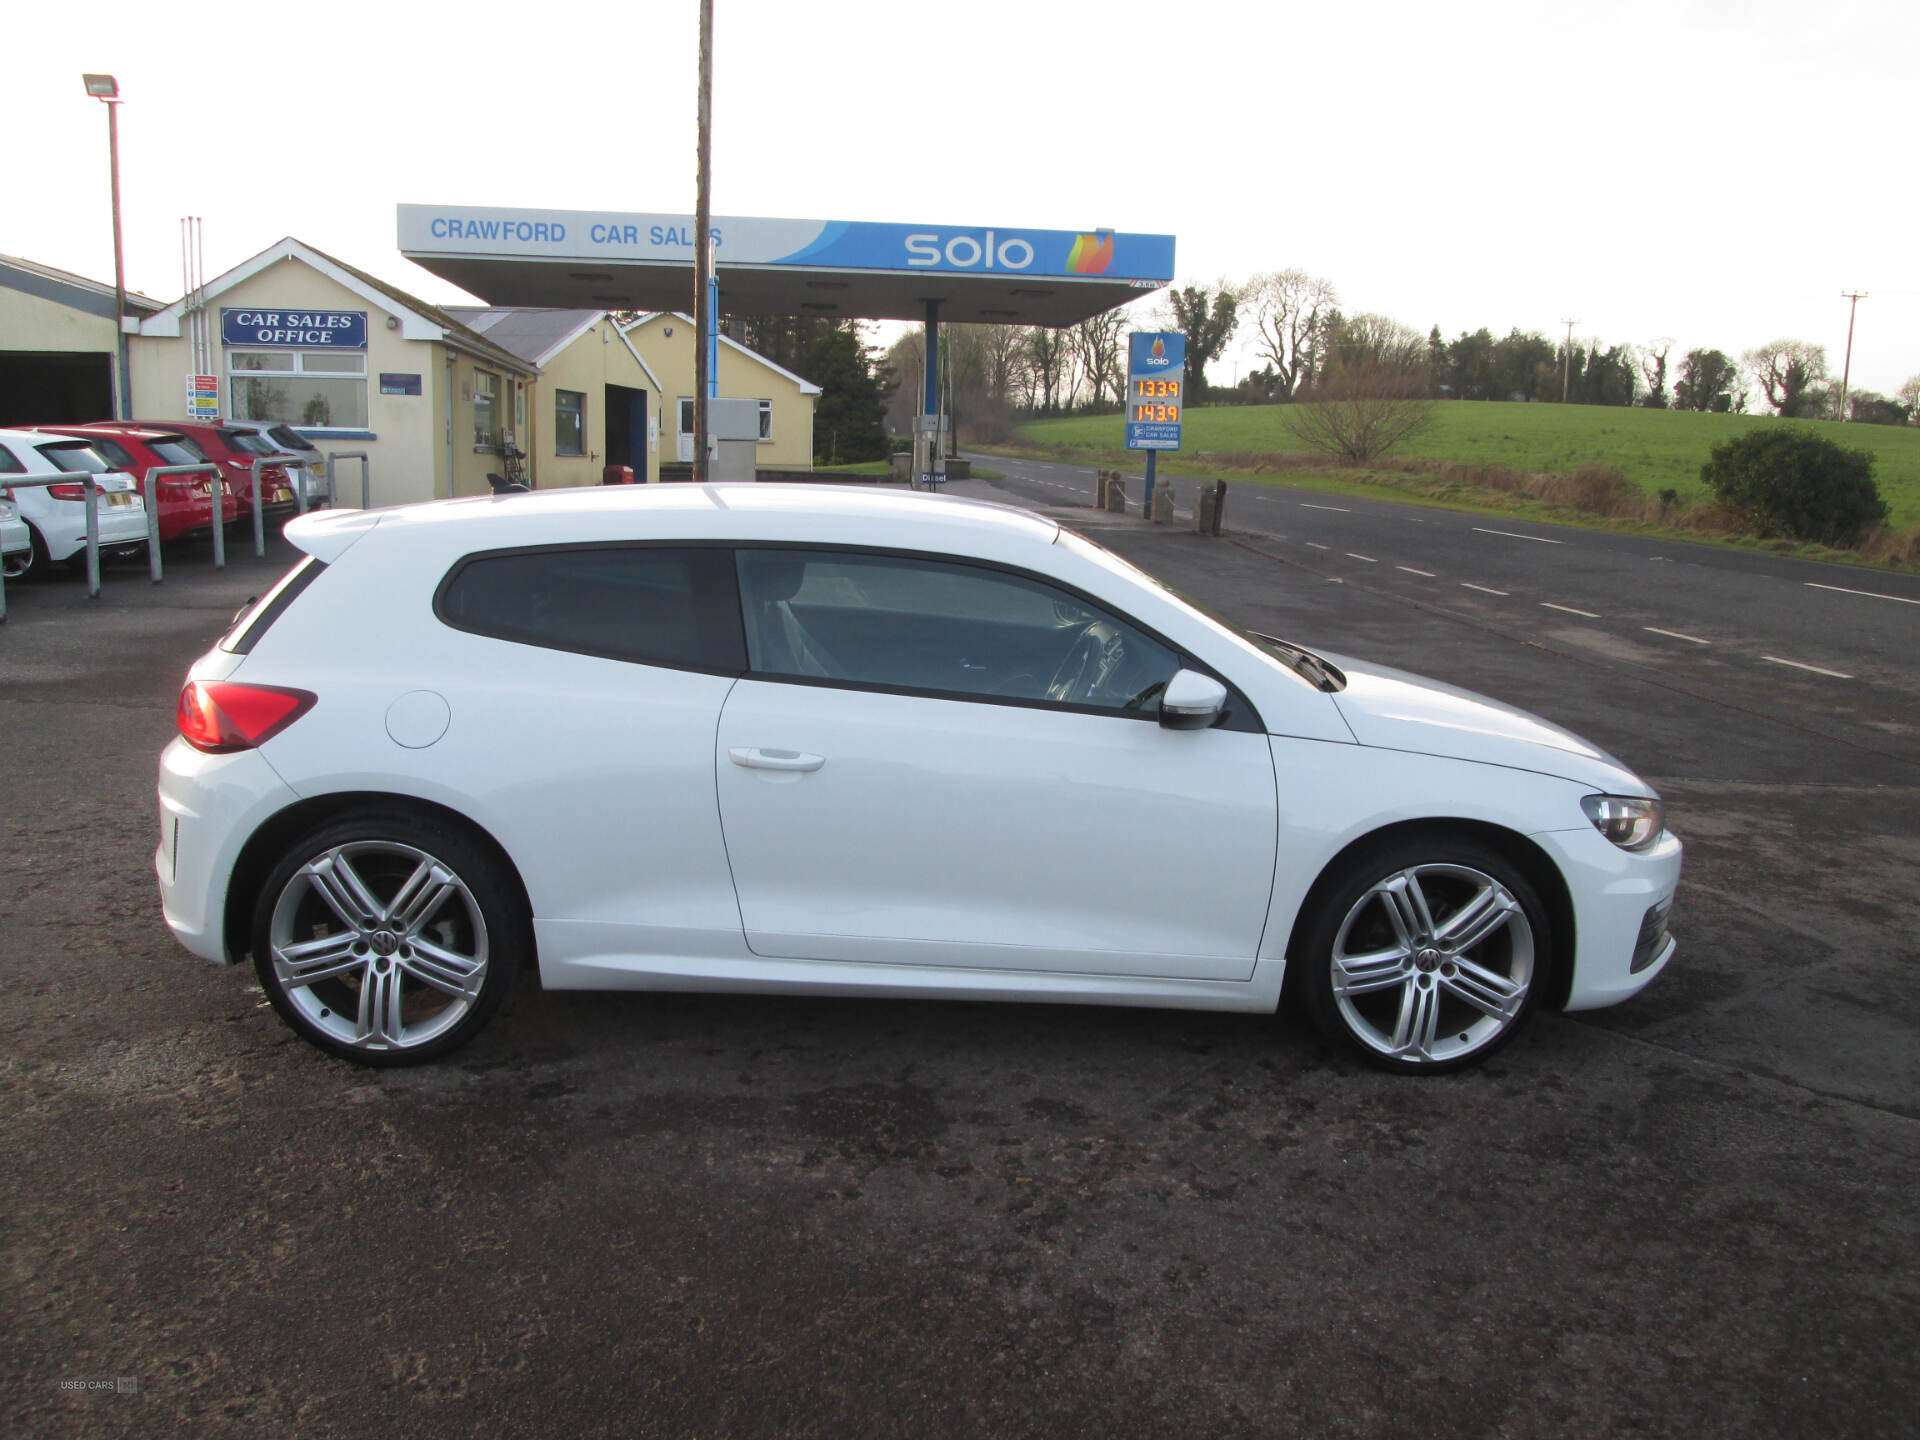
[1116,494]
[1162,503]
[1209,507]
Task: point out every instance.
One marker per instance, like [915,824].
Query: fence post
[259,520]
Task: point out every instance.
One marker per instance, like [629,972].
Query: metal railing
[294,482]
[167,472]
[83,478]
[366,477]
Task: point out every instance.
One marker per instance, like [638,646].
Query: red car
[234,452]
[185,502]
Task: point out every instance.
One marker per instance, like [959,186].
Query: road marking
[1356,555]
[1870,594]
[1316,545]
[1483,589]
[1569,610]
[1341,508]
[1675,635]
[1411,571]
[1817,670]
[1515,535]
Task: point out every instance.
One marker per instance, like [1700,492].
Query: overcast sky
[1715,171]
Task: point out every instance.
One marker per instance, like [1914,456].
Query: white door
[875,810]
[683,437]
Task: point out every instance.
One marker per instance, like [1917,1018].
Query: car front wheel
[388,938]
[1427,954]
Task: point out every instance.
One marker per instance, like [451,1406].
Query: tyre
[23,563]
[1425,954]
[388,938]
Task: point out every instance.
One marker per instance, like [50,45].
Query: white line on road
[1548,604]
[1341,508]
[1411,571]
[1514,535]
[1675,635]
[1356,555]
[1316,545]
[1483,589]
[1797,665]
[1870,594]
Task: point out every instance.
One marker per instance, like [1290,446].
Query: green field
[1656,449]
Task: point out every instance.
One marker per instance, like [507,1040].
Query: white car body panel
[929,854]
[993,836]
[14,535]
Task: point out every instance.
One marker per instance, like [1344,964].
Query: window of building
[486,410]
[766,420]
[569,422]
[933,627]
[314,389]
[686,415]
[652,604]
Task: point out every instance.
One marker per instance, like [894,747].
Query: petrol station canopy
[978,274]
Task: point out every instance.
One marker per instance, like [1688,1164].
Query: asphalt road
[1693,1215]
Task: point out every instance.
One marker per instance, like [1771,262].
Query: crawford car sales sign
[298,329]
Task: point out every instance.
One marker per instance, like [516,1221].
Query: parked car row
[45,525]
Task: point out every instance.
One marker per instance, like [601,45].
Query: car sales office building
[431,393]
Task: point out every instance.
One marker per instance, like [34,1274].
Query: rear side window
[657,605]
[288,439]
[10,463]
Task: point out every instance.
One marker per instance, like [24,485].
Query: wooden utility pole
[702,255]
[1853,297]
[1566,360]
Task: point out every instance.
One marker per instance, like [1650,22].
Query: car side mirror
[1191,701]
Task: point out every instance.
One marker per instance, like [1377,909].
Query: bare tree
[1050,357]
[1653,369]
[1909,395]
[1101,343]
[1789,372]
[1290,311]
[1371,394]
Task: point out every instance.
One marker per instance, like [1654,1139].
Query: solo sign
[1156,389]
[296,329]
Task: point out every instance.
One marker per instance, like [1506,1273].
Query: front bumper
[1620,906]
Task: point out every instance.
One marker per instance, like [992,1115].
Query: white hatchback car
[822,740]
[56,516]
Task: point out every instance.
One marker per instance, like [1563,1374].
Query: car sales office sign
[294,329]
[1156,389]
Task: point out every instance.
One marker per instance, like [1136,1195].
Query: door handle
[755,758]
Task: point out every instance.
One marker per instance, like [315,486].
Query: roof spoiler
[328,534]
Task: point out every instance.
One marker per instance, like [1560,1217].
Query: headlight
[1630,821]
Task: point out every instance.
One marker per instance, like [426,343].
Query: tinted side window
[10,463]
[116,453]
[656,605]
[916,624]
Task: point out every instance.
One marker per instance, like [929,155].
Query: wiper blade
[1310,666]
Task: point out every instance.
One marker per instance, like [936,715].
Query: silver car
[308,468]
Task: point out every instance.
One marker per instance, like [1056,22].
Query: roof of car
[592,512]
[132,429]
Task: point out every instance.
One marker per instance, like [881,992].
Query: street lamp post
[106,89]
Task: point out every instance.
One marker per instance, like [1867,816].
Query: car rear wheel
[1427,954]
[388,938]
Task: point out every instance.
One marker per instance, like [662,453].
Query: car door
[940,763]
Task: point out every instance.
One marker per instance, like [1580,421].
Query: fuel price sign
[1156,389]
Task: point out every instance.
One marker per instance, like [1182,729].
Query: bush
[1784,480]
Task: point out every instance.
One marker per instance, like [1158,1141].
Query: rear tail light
[219,717]
[67,492]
